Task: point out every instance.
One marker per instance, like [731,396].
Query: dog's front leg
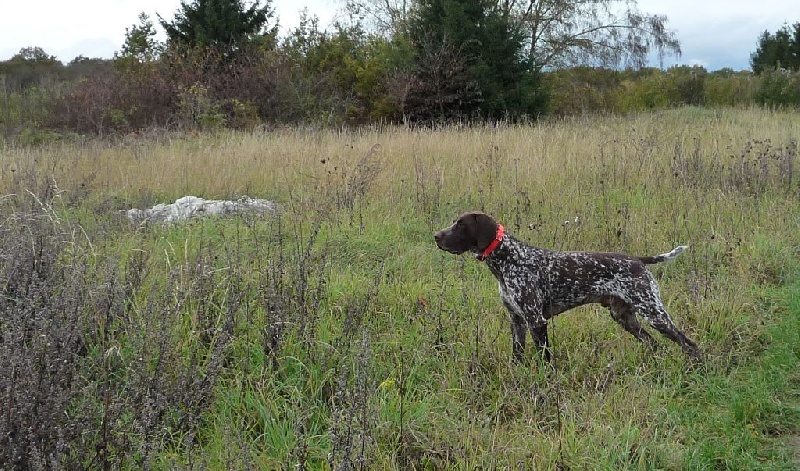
[518,333]
[539,334]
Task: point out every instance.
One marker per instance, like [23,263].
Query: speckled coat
[536,284]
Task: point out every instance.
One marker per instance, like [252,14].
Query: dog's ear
[485,230]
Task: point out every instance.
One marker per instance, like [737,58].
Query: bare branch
[597,32]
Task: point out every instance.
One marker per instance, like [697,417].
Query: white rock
[190,207]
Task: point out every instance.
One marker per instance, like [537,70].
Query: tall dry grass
[334,334]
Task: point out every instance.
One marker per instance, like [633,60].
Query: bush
[728,88]
[129,98]
[688,85]
[94,369]
[49,296]
[779,87]
[582,90]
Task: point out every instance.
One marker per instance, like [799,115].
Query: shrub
[93,372]
[779,87]
[728,88]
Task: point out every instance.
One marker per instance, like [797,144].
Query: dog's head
[472,232]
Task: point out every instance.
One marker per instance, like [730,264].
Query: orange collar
[497,239]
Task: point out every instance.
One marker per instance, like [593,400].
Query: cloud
[96,47]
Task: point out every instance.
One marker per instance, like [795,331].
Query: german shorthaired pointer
[537,284]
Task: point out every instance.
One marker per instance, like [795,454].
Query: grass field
[334,334]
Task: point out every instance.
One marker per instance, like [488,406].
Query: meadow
[335,335]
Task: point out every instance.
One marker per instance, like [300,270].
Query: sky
[713,33]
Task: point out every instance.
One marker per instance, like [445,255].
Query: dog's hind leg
[653,311]
[623,313]
[657,317]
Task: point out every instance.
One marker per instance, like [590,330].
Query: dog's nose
[437,236]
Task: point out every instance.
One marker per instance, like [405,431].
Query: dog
[537,284]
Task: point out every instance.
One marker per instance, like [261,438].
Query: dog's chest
[517,283]
[510,298]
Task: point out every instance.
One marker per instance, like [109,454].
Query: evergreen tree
[469,61]
[225,25]
[140,41]
[781,49]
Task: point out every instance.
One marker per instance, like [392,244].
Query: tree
[557,33]
[225,25]
[33,55]
[442,87]
[140,41]
[781,49]
[469,60]
[385,17]
[31,66]
[82,66]
[608,33]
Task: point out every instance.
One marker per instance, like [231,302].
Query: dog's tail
[664,257]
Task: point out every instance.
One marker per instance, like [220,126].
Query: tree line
[224,64]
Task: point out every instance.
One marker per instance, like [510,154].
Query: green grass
[335,333]
[750,417]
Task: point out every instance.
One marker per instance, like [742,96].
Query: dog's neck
[498,239]
[512,252]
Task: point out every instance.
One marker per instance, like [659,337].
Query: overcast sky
[713,33]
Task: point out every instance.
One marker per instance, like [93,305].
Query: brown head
[472,232]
